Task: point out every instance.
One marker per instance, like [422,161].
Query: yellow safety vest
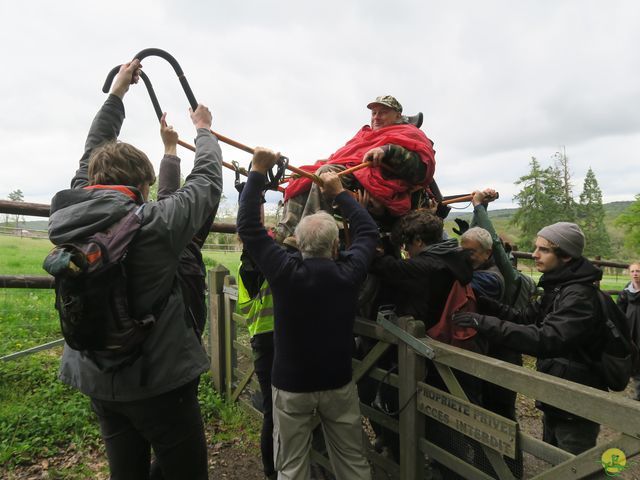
[258,310]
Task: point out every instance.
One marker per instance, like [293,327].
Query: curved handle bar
[152,94]
[148,52]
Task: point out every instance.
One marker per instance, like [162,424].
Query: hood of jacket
[579,270]
[79,212]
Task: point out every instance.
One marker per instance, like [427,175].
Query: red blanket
[394,193]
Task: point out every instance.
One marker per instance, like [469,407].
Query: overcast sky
[498,82]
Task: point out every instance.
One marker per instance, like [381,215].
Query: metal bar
[29,351]
[410,340]
[231,291]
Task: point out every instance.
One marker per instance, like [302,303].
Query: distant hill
[501,220]
[36,225]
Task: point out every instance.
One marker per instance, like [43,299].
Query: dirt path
[238,459]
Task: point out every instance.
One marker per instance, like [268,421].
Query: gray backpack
[92,296]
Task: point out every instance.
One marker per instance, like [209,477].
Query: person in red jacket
[402,157]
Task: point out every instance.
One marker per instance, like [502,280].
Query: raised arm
[364,230]
[169,174]
[267,255]
[185,211]
[481,219]
[108,121]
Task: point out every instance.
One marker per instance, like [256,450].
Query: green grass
[231,260]
[23,256]
[39,416]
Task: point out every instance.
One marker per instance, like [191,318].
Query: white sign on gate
[486,427]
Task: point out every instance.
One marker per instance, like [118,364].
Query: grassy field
[39,416]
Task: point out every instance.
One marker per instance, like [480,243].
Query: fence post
[411,369]
[216,325]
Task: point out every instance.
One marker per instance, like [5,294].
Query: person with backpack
[629,303]
[565,330]
[150,401]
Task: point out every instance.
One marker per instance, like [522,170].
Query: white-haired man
[487,280]
[314,297]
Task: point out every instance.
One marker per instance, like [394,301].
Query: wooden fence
[486,434]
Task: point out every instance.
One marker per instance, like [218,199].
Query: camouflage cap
[388,101]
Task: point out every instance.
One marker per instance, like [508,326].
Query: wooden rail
[42,210]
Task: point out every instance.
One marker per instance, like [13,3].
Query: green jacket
[511,275]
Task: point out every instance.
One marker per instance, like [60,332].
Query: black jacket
[420,286]
[564,329]
[629,303]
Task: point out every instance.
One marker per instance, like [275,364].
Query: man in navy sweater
[314,297]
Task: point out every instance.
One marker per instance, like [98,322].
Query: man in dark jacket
[419,286]
[151,403]
[314,297]
[564,330]
[629,303]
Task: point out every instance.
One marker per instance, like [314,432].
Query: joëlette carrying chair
[272,176]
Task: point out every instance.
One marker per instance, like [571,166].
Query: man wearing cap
[402,160]
[563,329]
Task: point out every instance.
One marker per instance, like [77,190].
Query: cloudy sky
[497,81]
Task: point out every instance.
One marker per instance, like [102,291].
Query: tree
[17,196]
[591,218]
[540,200]
[568,204]
[629,220]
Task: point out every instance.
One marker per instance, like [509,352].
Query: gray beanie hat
[565,235]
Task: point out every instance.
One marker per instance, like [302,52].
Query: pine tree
[591,218]
[540,201]
[17,196]
[629,220]
[568,204]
